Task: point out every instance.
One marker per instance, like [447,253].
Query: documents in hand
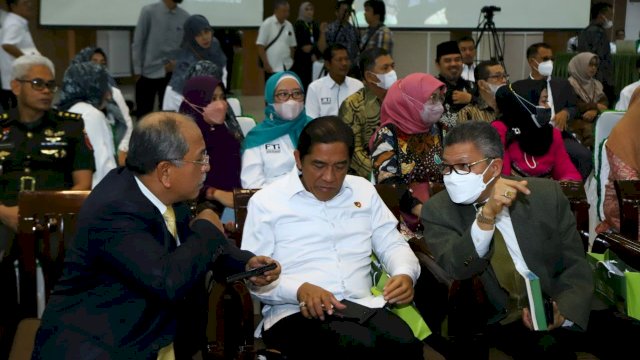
[537,304]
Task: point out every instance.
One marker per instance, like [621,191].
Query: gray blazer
[547,236]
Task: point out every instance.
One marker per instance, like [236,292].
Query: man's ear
[15,87]
[296,155]
[163,172]
[496,167]
[483,85]
[371,78]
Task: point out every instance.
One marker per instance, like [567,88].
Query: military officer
[40,149]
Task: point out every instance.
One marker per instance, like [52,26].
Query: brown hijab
[624,140]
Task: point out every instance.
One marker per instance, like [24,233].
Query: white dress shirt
[325,96]
[467,72]
[625,96]
[263,164]
[278,54]
[325,243]
[101,137]
[15,31]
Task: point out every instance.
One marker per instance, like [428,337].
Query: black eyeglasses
[460,169]
[40,84]
[284,95]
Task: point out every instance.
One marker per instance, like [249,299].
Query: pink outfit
[619,170]
[555,163]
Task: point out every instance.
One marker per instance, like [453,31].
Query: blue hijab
[87,82]
[273,126]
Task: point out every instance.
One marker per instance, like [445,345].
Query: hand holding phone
[253,272]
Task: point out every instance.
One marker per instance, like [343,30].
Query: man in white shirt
[322,225]
[627,91]
[276,40]
[326,94]
[468,51]
[16,41]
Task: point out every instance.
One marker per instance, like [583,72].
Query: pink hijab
[404,101]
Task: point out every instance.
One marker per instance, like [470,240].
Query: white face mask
[386,80]
[289,109]
[431,113]
[545,68]
[466,189]
[608,24]
[494,88]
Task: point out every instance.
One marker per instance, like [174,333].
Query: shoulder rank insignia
[69,115]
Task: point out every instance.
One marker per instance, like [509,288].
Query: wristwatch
[483,219]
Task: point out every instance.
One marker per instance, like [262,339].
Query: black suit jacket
[547,236]
[564,97]
[126,289]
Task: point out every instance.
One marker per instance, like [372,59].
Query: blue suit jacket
[126,289]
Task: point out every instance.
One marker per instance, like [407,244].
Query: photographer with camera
[342,32]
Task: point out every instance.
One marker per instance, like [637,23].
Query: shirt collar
[149,195]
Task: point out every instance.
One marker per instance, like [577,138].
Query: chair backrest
[627,250]
[47,219]
[575,192]
[628,192]
[234,104]
[240,201]
[246,124]
[605,123]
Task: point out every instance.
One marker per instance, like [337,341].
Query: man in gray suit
[468,226]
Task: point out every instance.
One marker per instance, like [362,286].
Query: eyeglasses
[204,163]
[40,84]
[460,169]
[284,95]
[499,76]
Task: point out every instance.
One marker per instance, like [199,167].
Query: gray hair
[157,137]
[22,65]
[484,136]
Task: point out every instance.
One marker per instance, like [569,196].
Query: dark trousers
[8,100]
[146,92]
[580,155]
[383,336]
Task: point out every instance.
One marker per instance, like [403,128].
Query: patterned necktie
[170,219]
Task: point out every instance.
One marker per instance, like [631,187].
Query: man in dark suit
[562,101]
[492,228]
[133,284]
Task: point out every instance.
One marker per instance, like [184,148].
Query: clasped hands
[315,301]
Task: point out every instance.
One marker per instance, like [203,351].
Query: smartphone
[548,310]
[355,311]
[253,272]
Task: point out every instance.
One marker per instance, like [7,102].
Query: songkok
[447,48]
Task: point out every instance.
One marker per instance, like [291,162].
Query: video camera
[490,9]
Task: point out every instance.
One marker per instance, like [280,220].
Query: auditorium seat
[575,193]
[246,124]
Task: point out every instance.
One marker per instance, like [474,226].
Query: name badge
[325,101]
[272,148]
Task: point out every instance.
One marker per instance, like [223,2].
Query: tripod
[487,25]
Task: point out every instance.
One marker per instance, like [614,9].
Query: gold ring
[303,304]
[508,194]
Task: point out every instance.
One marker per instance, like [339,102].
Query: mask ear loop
[195,107]
[533,116]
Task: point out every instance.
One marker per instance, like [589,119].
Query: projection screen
[124,13]
[410,14]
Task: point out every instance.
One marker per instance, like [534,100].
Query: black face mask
[542,116]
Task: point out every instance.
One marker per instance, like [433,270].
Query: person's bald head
[157,137]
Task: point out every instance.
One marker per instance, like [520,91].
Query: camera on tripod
[490,9]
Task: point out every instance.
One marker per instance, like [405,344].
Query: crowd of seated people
[408,148]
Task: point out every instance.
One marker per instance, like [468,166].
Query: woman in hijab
[198,43]
[307,35]
[533,147]
[591,98]
[268,148]
[86,91]
[405,146]
[205,101]
[623,153]
[117,110]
